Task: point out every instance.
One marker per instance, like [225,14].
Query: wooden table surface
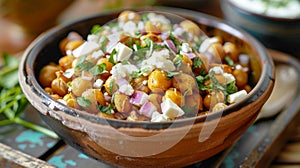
[47,152]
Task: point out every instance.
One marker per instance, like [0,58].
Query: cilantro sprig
[12,101]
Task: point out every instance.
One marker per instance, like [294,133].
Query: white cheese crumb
[97,54]
[86,48]
[69,73]
[170,109]
[126,89]
[93,38]
[235,97]
[229,77]
[123,71]
[98,84]
[157,117]
[185,47]
[123,52]
[218,70]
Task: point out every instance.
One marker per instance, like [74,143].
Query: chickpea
[174,95]
[62,45]
[72,45]
[156,100]
[55,96]
[151,28]
[128,16]
[241,78]
[185,83]
[71,101]
[79,85]
[191,27]
[140,84]
[109,66]
[213,98]
[194,101]
[216,49]
[99,97]
[90,95]
[158,80]
[151,36]
[186,66]
[247,88]
[231,50]
[135,116]
[110,85]
[59,86]
[105,115]
[219,106]
[47,75]
[48,90]
[122,103]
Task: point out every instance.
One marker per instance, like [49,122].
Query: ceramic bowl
[144,144]
[277,33]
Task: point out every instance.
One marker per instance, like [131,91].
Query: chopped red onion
[147,109]
[138,98]
[171,45]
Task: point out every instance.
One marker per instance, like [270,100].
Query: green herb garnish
[170,75]
[197,63]
[229,61]
[84,102]
[98,69]
[105,109]
[12,101]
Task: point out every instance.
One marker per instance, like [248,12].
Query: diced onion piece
[147,109]
[235,97]
[138,98]
[171,45]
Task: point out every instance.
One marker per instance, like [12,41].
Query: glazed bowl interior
[83,131]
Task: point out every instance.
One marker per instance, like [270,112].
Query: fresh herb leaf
[170,75]
[111,57]
[178,60]
[197,63]
[97,29]
[12,101]
[84,66]
[229,61]
[105,109]
[84,102]
[98,69]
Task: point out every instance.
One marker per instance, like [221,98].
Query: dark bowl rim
[266,17]
[267,73]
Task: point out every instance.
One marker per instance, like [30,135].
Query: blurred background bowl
[143,144]
[274,32]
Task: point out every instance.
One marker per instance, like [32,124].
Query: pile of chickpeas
[182,88]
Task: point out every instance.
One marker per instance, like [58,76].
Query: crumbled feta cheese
[160,60]
[93,38]
[235,97]
[157,117]
[141,26]
[185,47]
[178,32]
[86,48]
[126,89]
[69,73]
[123,52]
[97,54]
[161,53]
[123,71]
[217,70]
[98,84]
[170,109]
[113,40]
[130,27]
[229,77]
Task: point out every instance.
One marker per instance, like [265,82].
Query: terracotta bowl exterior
[143,144]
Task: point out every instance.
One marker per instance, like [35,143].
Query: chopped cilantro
[96,29]
[84,102]
[98,69]
[197,63]
[229,61]
[170,75]
[111,57]
[178,60]
[84,66]
[140,72]
[105,109]
[103,42]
